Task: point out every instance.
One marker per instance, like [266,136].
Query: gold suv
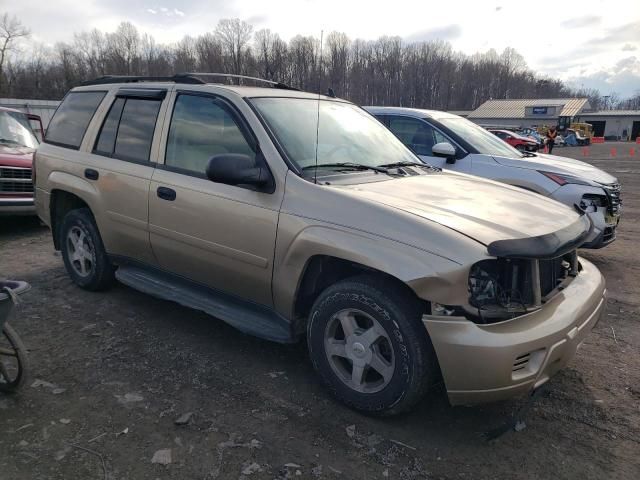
[286,213]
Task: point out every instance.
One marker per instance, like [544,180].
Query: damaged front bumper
[489,362]
[604,230]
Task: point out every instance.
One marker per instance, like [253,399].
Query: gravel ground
[118,369]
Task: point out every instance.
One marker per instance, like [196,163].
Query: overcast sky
[590,43]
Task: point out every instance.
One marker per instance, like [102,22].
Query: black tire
[16,348]
[101,275]
[399,313]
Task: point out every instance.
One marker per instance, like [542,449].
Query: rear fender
[58,181]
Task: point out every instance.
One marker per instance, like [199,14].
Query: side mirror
[446,150]
[237,169]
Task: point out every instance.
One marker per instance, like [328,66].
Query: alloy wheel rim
[359,351]
[80,251]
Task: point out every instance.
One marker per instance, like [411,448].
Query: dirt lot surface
[121,367]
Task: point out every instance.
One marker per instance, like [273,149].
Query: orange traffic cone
[614,152]
[632,151]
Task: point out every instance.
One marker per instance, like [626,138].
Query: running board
[247,317]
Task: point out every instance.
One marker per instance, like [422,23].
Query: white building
[43,108]
[614,124]
[529,112]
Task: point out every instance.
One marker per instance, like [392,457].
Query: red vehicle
[522,143]
[18,143]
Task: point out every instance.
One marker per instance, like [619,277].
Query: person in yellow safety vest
[551,138]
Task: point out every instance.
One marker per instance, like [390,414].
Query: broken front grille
[613,194]
[15,180]
[553,272]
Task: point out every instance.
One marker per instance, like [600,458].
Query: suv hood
[16,156]
[556,164]
[484,210]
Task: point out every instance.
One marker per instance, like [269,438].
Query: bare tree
[92,49]
[385,71]
[302,62]
[338,62]
[209,51]
[234,34]
[511,63]
[185,55]
[632,103]
[11,30]
[123,49]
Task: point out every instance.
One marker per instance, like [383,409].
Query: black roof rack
[189,78]
[180,78]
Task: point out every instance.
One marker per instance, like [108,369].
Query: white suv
[455,143]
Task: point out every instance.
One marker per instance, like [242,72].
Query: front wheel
[368,344]
[13,360]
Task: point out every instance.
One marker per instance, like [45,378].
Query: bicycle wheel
[13,360]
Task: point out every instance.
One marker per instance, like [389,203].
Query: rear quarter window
[70,122]
[127,131]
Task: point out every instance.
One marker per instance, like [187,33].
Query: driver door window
[440,138]
[421,136]
[414,133]
[202,127]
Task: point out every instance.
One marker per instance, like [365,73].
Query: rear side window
[70,122]
[127,131]
[107,137]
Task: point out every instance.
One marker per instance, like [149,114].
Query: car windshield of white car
[482,140]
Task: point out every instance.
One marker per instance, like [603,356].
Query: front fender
[430,276]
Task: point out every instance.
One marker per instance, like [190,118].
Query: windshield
[479,138]
[16,131]
[346,133]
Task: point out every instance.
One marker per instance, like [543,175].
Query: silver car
[455,143]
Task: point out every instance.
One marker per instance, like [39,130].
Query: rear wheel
[83,253]
[13,360]
[367,342]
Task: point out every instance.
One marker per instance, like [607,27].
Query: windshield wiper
[528,154]
[8,140]
[347,165]
[412,164]
[404,164]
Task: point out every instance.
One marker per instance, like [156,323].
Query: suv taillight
[33,172]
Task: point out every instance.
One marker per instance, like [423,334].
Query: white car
[455,143]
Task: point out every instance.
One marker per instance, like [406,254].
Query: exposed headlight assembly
[501,288]
[590,203]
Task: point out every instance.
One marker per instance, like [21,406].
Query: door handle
[91,174]
[166,193]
